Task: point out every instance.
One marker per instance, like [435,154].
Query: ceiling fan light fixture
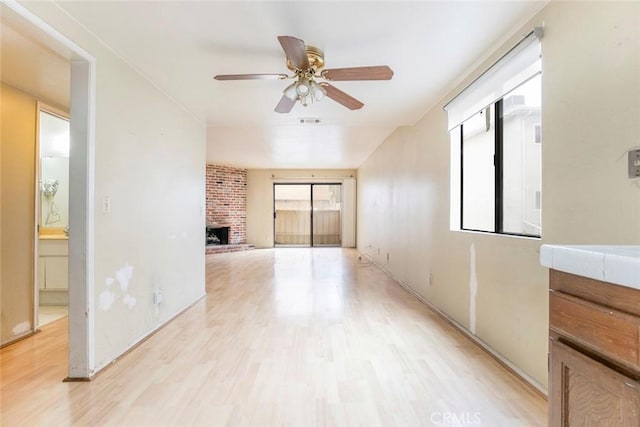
[303,87]
[291,91]
[317,91]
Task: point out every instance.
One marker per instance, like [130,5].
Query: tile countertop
[614,264]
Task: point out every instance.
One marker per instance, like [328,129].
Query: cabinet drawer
[53,247]
[617,297]
[609,332]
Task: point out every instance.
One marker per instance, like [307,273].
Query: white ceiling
[180,45]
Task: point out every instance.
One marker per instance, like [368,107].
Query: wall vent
[308,121]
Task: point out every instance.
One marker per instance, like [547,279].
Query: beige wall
[591,118]
[17,230]
[591,105]
[150,163]
[260,197]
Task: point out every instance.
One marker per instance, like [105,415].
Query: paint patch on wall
[473,288]
[123,276]
[129,301]
[106,300]
[21,328]
[111,294]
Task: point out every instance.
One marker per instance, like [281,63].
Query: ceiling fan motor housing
[315,56]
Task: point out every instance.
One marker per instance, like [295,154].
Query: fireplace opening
[217,234]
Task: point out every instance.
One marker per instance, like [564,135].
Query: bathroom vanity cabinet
[53,270]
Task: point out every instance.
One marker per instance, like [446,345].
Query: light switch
[634,163]
[106,204]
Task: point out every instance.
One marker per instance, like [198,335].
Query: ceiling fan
[306,63]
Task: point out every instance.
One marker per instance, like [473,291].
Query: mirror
[54,172]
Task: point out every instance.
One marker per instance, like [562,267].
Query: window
[500,173]
[498,164]
[477,172]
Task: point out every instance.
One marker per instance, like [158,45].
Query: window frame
[498,164]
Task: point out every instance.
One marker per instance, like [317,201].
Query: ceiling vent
[309,121]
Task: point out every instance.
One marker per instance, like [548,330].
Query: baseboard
[138,343]
[535,386]
[19,338]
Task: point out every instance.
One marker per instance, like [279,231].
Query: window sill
[501,235]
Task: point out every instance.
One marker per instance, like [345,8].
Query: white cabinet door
[53,261]
[56,273]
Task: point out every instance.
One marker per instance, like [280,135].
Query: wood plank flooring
[285,337]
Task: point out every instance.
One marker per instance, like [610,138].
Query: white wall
[591,105]
[150,163]
[260,197]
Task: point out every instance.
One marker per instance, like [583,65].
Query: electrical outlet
[634,163]
[157,297]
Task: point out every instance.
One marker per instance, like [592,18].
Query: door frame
[81,350]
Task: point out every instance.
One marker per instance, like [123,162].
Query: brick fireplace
[227,201]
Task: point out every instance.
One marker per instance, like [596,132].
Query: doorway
[52,44]
[52,215]
[307,214]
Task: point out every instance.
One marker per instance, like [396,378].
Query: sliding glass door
[292,214]
[326,214]
[307,214]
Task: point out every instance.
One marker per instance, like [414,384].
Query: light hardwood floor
[51,313]
[285,337]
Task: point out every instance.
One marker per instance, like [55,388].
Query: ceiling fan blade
[250,76]
[341,97]
[379,72]
[295,50]
[285,105]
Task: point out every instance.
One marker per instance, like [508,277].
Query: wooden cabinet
[594,352]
